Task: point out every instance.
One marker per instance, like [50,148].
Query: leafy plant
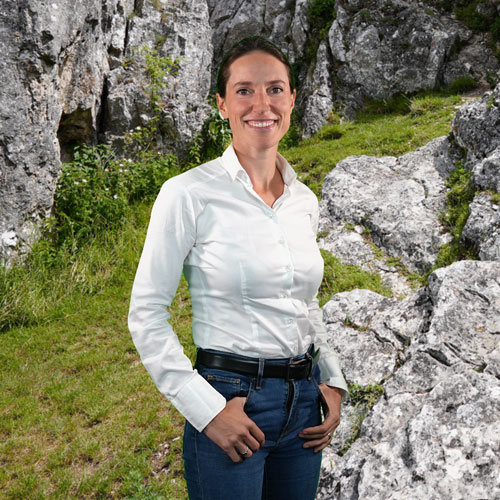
[214,137]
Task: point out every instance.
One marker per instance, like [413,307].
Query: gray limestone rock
[482,229]
[476,127]
[434,432]
[486,173]
[384,48]
[64,82]
[52,70]
[398,201]
[182,34]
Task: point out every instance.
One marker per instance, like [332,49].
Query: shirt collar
[231,163]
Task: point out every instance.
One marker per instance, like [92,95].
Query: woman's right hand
[234,432]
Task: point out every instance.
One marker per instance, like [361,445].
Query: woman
[242,228]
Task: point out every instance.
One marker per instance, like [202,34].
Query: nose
[261,101]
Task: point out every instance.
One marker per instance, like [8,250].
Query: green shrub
[214,137]
[495,29]
[398,104]
[94,191]
[462,84]
[472,18]
[321,14]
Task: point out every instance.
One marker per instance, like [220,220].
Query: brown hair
[243,47]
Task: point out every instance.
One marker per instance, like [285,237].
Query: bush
[95,189]
[462,84]
[214,137]
[472,18]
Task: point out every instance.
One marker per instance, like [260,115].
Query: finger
[246,452]
[257,433]
[252,443]
[317,444]
[317,431]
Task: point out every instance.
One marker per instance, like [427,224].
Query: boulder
[379,49]
[475,127]
[397,202]
[433,433]
[486,173]
[482,229]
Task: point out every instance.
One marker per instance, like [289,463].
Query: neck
[260,165]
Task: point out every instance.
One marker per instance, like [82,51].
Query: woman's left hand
[320,436]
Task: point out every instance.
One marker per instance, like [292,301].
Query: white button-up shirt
[253,274]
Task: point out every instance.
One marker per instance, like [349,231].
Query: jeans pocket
[229,384]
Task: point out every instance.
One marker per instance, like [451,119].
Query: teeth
[261,124]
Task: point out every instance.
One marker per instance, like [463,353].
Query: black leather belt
[294,370]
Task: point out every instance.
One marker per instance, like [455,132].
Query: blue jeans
[282,469]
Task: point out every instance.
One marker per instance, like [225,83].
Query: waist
[297,367]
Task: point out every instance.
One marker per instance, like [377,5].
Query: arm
[171,234]
[333,385]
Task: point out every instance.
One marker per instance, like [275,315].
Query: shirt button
[289,321]
[288,267]
[281,241]
[283,295]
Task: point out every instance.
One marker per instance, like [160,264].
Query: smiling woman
[242,228]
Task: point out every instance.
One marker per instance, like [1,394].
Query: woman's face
[258,101]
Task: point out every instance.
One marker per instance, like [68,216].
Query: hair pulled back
[243,47]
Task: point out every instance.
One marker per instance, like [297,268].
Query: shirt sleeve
[329,364]
[171,234]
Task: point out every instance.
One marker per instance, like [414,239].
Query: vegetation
[79,415]
[321,14]
[454,218]
[339,277]
[363,398]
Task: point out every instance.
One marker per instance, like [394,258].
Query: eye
[243,91]
[276,90]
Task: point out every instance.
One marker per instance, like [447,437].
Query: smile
[261,123]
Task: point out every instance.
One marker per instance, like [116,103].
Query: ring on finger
[243,453]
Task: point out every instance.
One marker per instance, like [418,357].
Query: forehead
[257,65]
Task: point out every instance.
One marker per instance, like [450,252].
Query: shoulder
[302,192]
[192,179]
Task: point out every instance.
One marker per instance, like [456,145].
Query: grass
[79,416]
[374,133]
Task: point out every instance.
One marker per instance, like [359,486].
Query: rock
[398,201]
[318,87]
[54,61]
[433,434]
[282,21]
[352,247]
[486,173]
[482,229]
[475,127]
[64,83]
[385,48]
[186,40]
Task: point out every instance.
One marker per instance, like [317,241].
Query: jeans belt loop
[260,374]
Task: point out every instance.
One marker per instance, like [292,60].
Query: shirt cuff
[199,402]
[331,374]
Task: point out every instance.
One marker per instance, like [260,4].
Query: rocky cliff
[431,361]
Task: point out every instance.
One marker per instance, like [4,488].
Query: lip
[262,124]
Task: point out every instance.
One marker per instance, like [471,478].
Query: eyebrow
[272,82]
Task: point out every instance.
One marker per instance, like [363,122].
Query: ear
[221,104]
[294,94]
